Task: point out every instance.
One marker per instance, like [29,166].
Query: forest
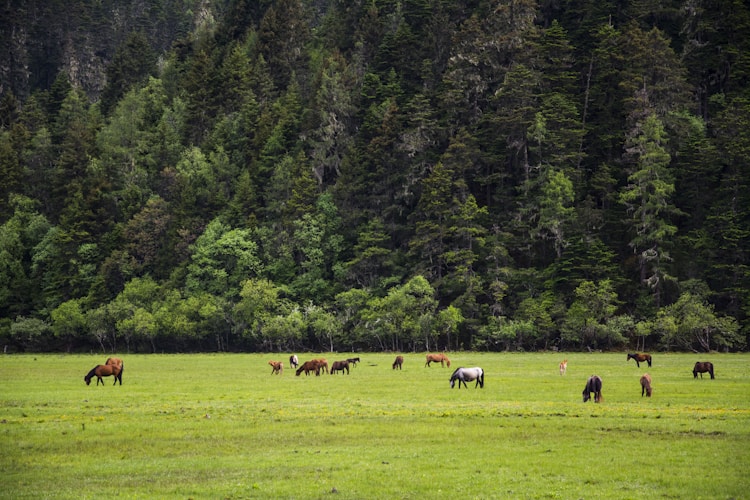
[374,175]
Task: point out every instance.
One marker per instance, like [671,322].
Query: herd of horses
[594,383]
[114,367]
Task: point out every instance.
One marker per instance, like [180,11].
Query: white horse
[468,374]
[293,361]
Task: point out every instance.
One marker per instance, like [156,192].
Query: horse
[646,385]
[640,358]
[277,367]
[399,361]
[594,384]
[309,366]
[434,358]
[104,371]
[293,361]
[116,362]
[353,361]
[322,364]
[340,366]
[563,366]
[703,367]
[464,374]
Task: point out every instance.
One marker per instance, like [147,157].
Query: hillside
[374,175]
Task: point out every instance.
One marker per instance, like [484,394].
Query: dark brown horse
[340,366]
[703,367]
[399,361]
[353,361]
[593,384]
[646,385]
[435,358]
[277,367]
[100,371]
[640,358]
[309,366]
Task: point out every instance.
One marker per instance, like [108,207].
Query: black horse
[703,367]
[594,384]
[639,358]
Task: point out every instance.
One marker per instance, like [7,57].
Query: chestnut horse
[116,362]
[594,384]
[703,367]
[434,358]
[399,361]
[100,371]
[277,367]
[646,385]
[340,366]
[322,364]
[563,366]
[640,358]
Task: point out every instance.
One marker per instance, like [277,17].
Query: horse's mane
[90,374]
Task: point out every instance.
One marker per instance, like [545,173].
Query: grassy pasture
[221,426]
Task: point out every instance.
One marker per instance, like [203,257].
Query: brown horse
[646,385]
[593,384]
[100,371]
[399,361]
[640,358]
[322,364]
[277,367]
[340,366]
[116,362]
[563,366]
[703,367]
[353,361]
[435,358]
[309,366]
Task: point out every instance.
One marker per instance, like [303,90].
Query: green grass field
[221,426]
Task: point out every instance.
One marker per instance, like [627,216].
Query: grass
[220,426]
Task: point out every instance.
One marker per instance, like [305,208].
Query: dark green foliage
[415,174]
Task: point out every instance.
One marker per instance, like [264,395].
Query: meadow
[221,426]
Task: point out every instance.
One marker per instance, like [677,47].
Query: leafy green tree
[587,321]
[696,326]
[222,258]
[68,322]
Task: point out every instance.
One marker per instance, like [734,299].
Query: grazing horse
[353,361]
[277,367]
[703,367]
[468,374]
[340,366]
[646,385]
[293,361]
[594,384]
[563,366]
[640,358]
[434,358]
[309,366]
[399,361]
[100,371]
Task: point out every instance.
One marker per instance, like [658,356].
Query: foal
[563,366]
[646,385]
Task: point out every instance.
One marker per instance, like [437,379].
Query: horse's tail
[481,379]
[122,369]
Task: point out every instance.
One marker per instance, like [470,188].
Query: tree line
[386,175]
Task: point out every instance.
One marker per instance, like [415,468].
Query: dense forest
[258,175]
